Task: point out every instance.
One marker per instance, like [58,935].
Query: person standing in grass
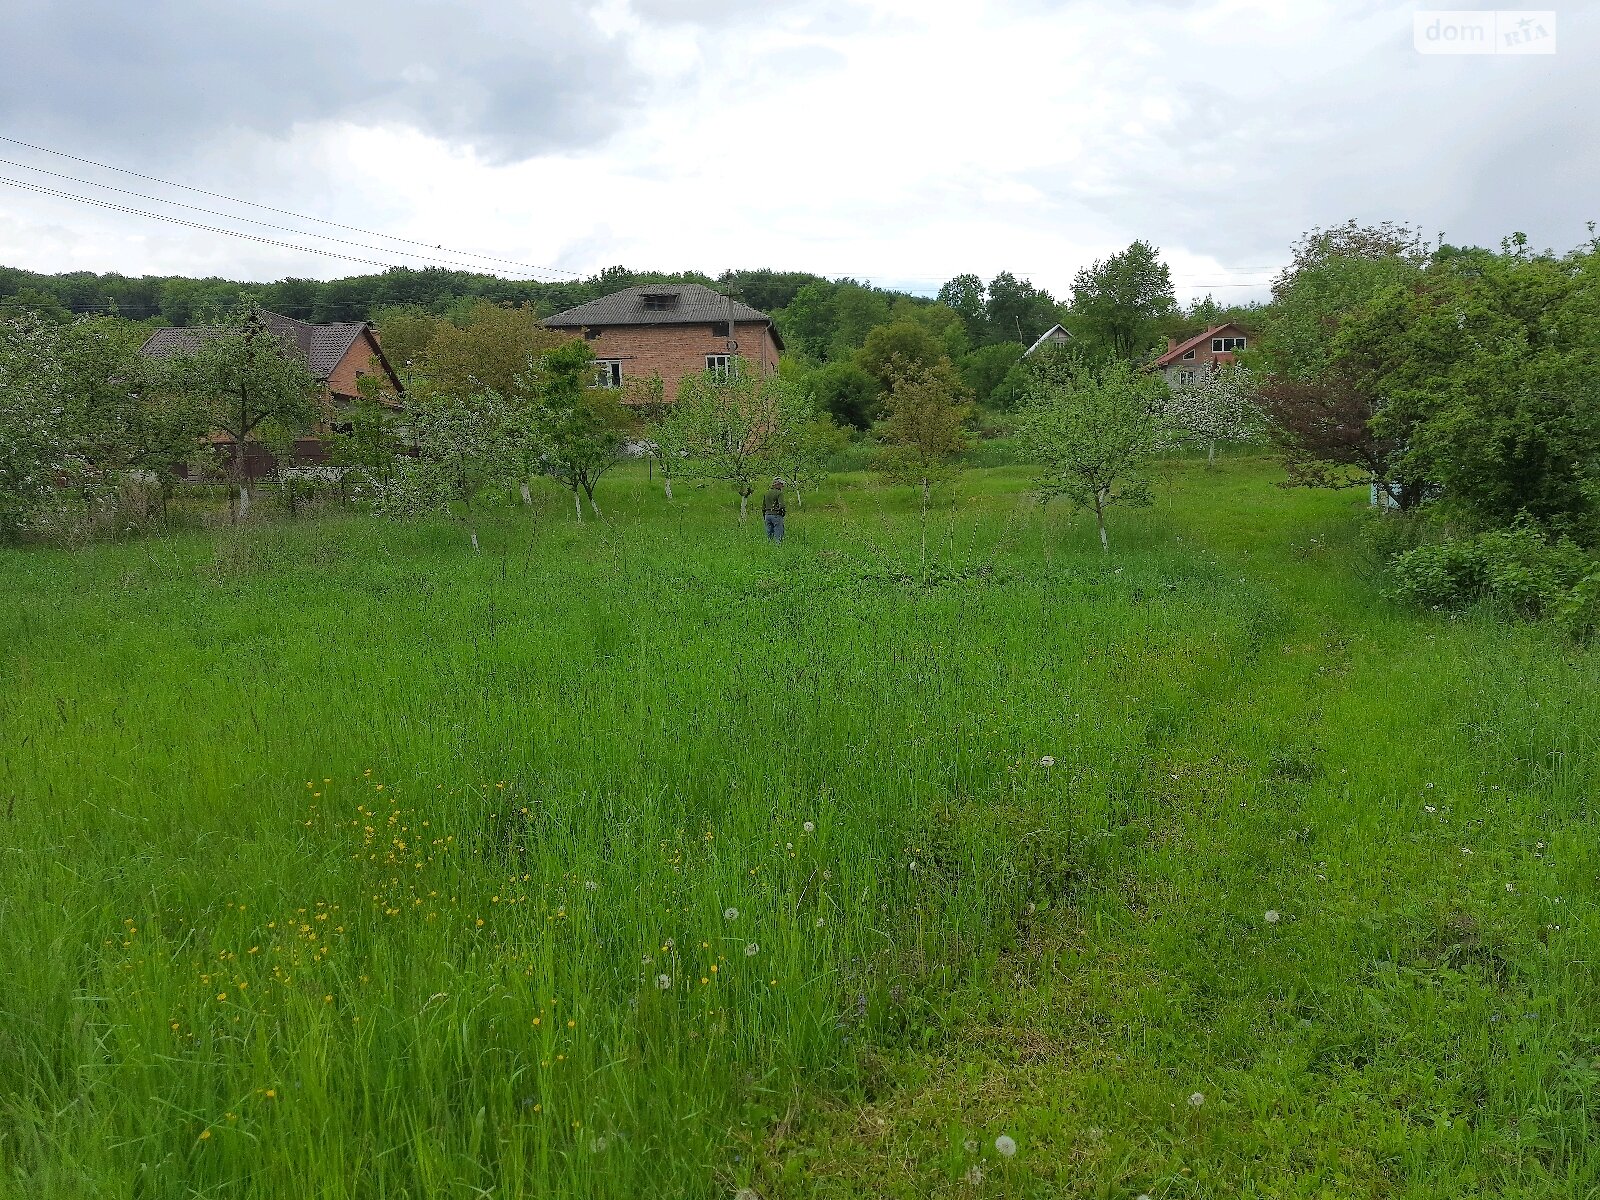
[773,510]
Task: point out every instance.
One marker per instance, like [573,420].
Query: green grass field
[646,859]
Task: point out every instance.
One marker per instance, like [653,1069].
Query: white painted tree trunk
[744,507]
[667,479]
[1100,520]
[595,508]
[527,493]
[244,500]
[475,548]
[1211,455]
[577,504]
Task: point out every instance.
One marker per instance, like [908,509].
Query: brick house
[670,331]
[337,356]
[1182,362]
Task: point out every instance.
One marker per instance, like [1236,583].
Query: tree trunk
[1211,455]
[244,498]
[474,535]
[1100,520]
[744,506]
[577,504]
[667,479]
[593,507]
[527,494]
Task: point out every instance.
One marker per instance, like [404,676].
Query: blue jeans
[774,526]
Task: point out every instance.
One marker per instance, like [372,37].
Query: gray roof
[322,347]
[693,305]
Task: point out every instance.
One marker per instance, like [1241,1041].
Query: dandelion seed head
[1196,1099]
[752,950]
[664,982]
[975,1175]
[1004,1146]
[970,1146]
[809,827]
[1272,917]
[730,914]
[1047,761]
[590,885]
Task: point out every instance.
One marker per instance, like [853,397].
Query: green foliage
[987,373]
[1518,570]
[580,430]
[250,386]
[1119,303]
[736,426]
[1485,373]
[489,350]
[1334,273]
[923,428]
[81,415]
[1093,430]
[890,348]
[846,392]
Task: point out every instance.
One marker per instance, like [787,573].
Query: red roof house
[1216,347]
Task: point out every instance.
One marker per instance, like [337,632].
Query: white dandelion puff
[975,1175]
[752,950]
[1429,808]
[808,827]
[664,982]
[590,885]
[970,1145]
[1004,1146]
[1047,761]
[746,1194]
[821,921]
[1272,917]
[597,1146]
[730,914]
[1196,1099]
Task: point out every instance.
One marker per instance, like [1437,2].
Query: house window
[720,364]
[1188,356]
[1226,345]
[719,329]
[1185,378]
[590,333]
[660,301]
[608,372]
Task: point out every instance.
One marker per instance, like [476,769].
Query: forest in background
[828,325]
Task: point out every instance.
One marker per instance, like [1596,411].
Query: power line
[211,212]
[284,212]
[139,212]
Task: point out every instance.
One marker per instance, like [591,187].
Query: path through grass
[645,859]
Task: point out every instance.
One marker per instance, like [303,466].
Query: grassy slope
[655,706]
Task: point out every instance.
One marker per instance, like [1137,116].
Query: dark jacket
[772,503]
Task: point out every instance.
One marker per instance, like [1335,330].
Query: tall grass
[343,862]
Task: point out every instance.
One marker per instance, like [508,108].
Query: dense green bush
[1519,570]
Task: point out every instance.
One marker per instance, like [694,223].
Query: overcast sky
[901,141]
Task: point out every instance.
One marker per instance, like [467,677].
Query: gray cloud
[162,77]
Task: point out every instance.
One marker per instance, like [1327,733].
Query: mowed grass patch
[647,858]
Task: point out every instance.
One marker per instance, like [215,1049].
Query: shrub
[1519,570]
[1579,612]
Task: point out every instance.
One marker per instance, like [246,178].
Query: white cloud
[897,140]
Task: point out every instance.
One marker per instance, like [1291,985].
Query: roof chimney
[1172,344]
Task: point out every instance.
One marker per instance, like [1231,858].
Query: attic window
[1226,345]
[660,301]
[1188,356]
[719,329]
